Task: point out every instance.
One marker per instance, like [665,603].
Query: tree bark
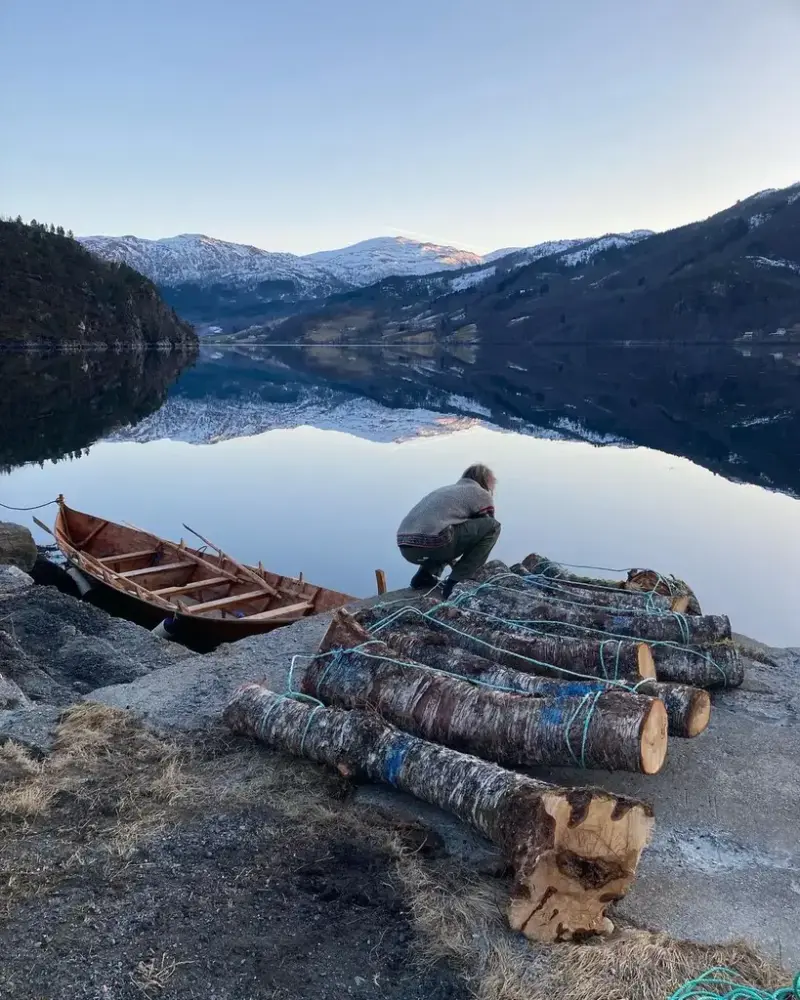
[712,665]
[609,729]
[512,646]
[638,580]
[511,605]
[688,708]
[573,851]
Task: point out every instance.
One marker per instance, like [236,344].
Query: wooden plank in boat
[212,581]
[127,556]
[287,611]
[163,568]
[225,602]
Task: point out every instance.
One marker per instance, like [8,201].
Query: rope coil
[722,983]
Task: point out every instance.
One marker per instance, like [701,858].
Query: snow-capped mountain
[372,260]
[194,259]
[233,286]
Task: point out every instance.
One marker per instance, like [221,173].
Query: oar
[250,574]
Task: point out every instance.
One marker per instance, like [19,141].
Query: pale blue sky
[309,124]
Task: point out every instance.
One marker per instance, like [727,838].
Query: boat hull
[147,579]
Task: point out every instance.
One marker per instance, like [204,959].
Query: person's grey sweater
[430,522]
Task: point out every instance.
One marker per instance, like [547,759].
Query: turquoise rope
[590,698]
[722,983]
[581,762]
[526,623]
[496,649]
[535,580]
[490,584]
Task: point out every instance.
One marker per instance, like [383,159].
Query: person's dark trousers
[468,549]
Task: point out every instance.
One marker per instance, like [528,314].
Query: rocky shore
[188,863]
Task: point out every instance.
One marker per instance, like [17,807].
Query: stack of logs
[528,665]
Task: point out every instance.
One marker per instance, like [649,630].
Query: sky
[303,125]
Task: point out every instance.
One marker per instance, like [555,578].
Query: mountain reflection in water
[732,411]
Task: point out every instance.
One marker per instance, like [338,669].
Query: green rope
[590,699]
[581,761]
[536,580]
[492,585]
[722,983]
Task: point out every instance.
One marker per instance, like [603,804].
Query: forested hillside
[53,293]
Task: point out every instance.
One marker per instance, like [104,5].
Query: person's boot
[423,579]
[448,586]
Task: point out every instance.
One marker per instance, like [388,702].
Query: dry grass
[125,781]
[111,782]
[460,917]
[152,976]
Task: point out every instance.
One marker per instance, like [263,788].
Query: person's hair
[481,474]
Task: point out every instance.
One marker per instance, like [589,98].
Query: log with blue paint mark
[573,851]
[598,728]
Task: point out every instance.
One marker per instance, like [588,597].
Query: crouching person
[453,526]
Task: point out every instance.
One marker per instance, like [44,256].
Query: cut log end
[561,894]
[699,713]
[654,738]
[680,605]
[647,663]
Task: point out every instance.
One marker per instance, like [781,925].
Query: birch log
[642,580]
[509,604]
[713,665]
[520,579]
[688,708]
[573,851]
[522,649]
[609,729]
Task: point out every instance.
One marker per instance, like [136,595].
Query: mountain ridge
[734,274]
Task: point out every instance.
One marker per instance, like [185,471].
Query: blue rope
[722,983]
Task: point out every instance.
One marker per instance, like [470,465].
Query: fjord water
[357,439]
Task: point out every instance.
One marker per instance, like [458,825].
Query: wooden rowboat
[209,597]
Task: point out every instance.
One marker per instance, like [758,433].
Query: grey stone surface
[13,580]
[34,728]
[57,648]
[17,547]
[724,862]
[11,694]
[192,694]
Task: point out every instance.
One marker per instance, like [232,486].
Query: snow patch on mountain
[757,220]
[526,255]
[611,240]
[471,279]
[777,262]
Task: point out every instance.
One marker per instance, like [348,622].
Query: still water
[327,501]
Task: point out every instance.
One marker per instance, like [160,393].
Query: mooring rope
[40,506]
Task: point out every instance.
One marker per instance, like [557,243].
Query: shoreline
[723,864]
